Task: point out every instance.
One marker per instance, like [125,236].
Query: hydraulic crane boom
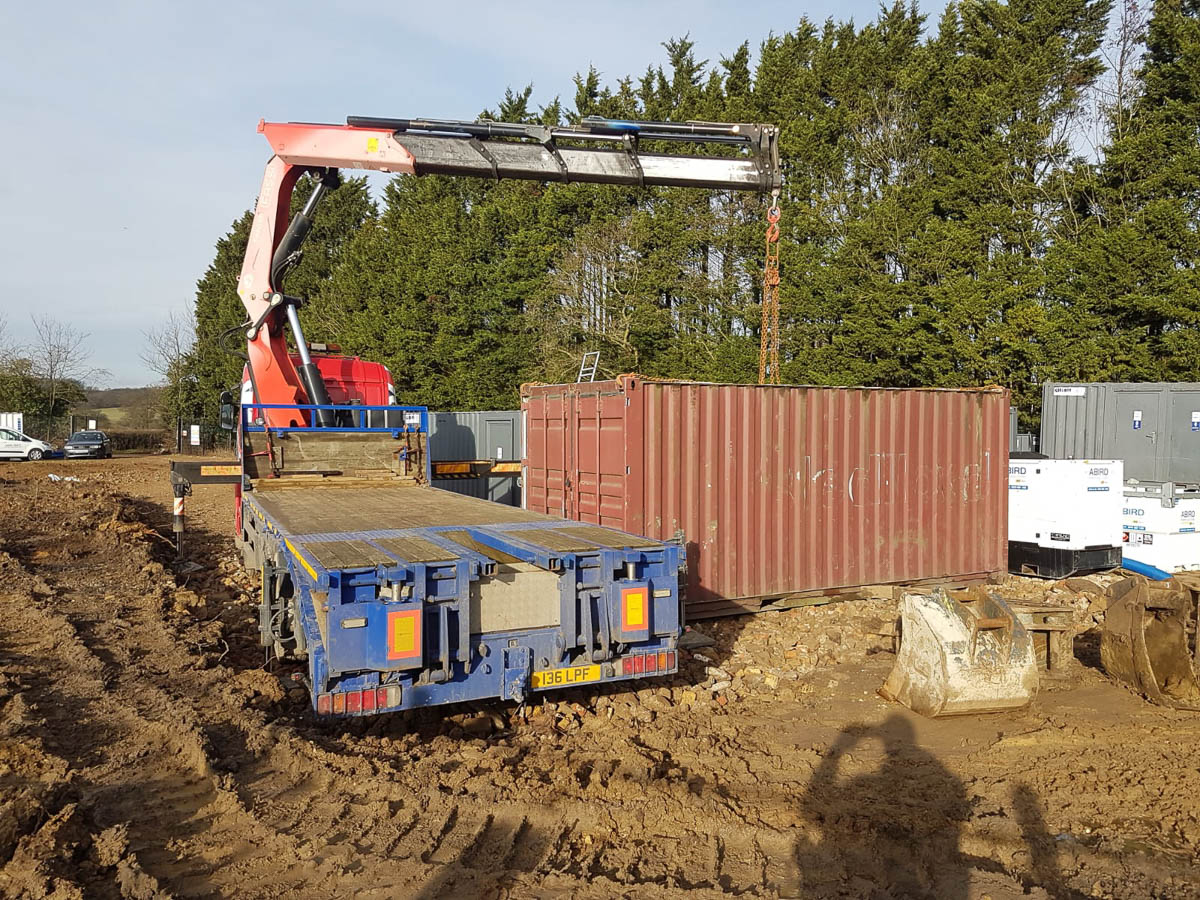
[598,151]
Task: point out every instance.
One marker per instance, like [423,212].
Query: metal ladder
[588,366]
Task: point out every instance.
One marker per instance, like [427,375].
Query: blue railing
[413,419]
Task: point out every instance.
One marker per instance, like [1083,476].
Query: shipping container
[492,435]
[780,492]
[1153,426]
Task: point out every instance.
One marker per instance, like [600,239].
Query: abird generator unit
[1159,525]
[1064,515]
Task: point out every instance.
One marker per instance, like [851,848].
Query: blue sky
[129,128]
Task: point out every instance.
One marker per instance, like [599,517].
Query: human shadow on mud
[891,832]
[1043,849]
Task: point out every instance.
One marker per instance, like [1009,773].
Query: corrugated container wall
[780,491]
[1153,426]
[494,435]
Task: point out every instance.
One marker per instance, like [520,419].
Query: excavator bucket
[1144,642]
[961,652]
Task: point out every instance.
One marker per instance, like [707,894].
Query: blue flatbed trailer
[400,595]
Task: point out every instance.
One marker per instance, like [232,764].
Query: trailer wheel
[280,613]
[296,647]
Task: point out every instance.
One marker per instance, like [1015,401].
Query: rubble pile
[1088,596]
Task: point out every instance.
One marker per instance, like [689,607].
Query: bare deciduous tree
[60,356]
[5,341]
[10,350]
[169,343]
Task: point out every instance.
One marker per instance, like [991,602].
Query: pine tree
[939,227]
[1130,285]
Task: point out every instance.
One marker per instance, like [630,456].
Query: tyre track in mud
[220,799]
[157,777]
[226,788]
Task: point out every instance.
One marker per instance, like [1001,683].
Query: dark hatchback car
[88,443]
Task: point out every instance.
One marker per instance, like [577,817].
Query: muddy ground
[146,751]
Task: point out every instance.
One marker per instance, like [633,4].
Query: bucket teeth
[963,652]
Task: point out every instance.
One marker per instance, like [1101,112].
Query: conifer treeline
[945,222]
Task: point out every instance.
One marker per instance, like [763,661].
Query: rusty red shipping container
[780,491]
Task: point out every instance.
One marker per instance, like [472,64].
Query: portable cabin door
[1140,432]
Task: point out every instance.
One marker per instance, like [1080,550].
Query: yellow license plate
[563,677]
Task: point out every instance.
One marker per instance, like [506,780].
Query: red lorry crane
[601,151]
[398,594]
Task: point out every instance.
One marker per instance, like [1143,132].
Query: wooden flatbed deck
[330,521]
[320,509]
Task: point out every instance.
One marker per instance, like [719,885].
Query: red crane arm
[298,148]
[600,151]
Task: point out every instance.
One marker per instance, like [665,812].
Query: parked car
[14,445]
[84,444]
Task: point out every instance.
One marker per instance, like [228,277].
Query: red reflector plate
[651,663]
[354,701]
[404,635]
[634,609]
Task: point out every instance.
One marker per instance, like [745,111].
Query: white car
[14,445]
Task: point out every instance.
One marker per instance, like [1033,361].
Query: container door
[1139,433]
[500,443]
[547,470]
[501,439]
[581,463]
[1183,445]
[598,463]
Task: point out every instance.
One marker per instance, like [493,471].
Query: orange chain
[768,348]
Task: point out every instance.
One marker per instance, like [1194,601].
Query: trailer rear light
[353,701]
[368,700]
[648,663]
[324,704]
[339,704]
